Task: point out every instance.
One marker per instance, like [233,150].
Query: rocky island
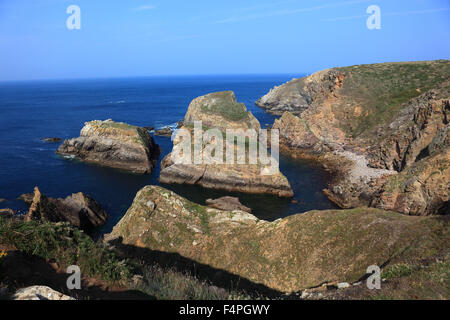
[114,144]
[222,111]
[382,128]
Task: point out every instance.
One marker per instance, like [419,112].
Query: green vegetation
[67,245]
[201,213]
[396,271]
[225,104]
[381,89]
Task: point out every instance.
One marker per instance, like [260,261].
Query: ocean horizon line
[295,74]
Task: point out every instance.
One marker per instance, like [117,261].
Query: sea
[32,110]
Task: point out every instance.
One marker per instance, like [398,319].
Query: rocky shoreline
[400,163]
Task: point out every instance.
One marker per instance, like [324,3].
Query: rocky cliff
[289,254]
[114,144]
[221,111]
[382,128]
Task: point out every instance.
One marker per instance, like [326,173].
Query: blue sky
[179,37]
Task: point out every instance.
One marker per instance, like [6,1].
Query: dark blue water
[32,110]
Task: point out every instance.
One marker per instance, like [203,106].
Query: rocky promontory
[382,128]
[290,254]
[78,209]
[114,144]
[221,111]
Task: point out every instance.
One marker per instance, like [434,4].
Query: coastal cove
[33,110]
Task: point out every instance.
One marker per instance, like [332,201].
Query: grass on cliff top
[225,104]
[382,89]
[67,245]
[407,282]
[169,284]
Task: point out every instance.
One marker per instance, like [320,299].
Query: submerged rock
[289,254]
[382,129]
[52,139]
[78,209]
[227,204]
[221,111]
[114,144]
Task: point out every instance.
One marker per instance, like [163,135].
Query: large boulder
[114,144]
[289,254]
[78,209]
[221,111]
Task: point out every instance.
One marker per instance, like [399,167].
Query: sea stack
[114,144]
[221,111]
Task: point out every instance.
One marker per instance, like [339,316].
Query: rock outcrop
[78,209]
[221,111]
[383,129]
[114,144]
[289,254]
[227,204]
[39,293]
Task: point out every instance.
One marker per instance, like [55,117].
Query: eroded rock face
[289,254]
[297,95]
[383,129]
[221,111]
[114,144]
[78,209]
